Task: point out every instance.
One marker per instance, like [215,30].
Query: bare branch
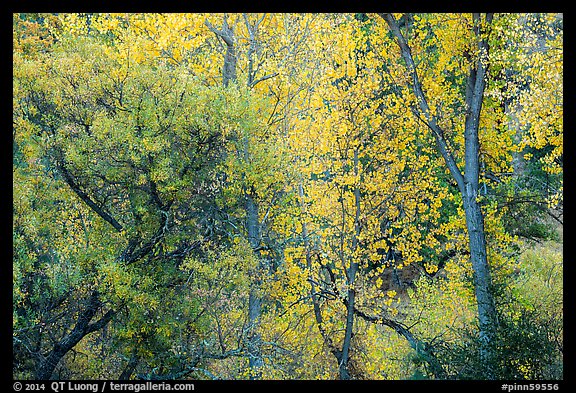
[265,77]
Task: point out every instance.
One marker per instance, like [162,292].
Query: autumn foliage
[287,196]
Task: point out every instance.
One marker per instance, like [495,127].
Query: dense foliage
[287,196]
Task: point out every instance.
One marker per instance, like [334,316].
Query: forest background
[287,196]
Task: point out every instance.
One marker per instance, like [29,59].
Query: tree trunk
[255,361]
[130,367]
[252,222]
[314,291]
[474,218]
[351,280]
[345,355]
[482,280]
[227,35]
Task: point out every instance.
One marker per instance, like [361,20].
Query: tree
[360,196]
[468,180]
[126,143]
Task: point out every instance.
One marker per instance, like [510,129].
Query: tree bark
[255,361]
[474,217]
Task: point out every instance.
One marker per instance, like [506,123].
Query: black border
[290,6]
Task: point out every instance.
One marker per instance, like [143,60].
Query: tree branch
[265,77]
[82,195]
[474,97]
[430,120]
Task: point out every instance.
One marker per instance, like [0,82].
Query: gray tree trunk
[255,360]
[227,35]
[252,222]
